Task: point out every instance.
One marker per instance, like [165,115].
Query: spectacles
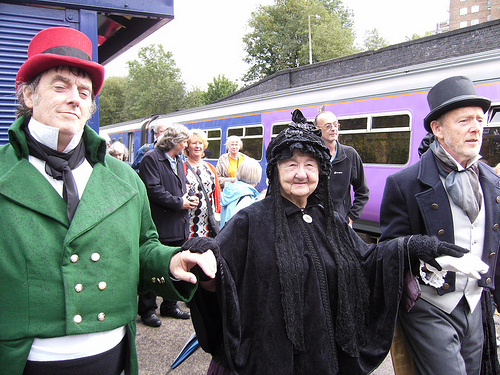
[332,125]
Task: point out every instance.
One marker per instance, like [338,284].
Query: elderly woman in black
[297,291]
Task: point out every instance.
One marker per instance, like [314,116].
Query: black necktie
[59,165]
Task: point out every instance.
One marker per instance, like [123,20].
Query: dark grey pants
[444,344]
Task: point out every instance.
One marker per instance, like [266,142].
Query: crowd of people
[278,281]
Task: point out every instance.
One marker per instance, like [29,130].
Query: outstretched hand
[427,249]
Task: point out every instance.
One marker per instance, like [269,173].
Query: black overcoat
[165,190]
[242,325]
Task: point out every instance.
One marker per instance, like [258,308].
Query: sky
[205,37]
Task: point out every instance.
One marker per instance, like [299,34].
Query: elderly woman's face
[299,177]
[195,147]
[233,147]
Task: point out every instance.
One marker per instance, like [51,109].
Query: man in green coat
[77,240]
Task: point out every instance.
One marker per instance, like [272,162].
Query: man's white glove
[470,265]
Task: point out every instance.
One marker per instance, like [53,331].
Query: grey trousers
[444,344]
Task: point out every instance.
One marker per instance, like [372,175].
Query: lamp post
[317,16]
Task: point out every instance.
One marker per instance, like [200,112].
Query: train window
[253,139]
[235,131]
[490,150]
[379,139]
[254,131]
[214,143]
[396,121]
[380,147]
[277,128]
[131,147]
[359,123]
[494,115]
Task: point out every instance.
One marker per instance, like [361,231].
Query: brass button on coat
[441,232]
[488,281]
[496,226]
[446,286]
[434,206]
[101,316]
[102,285]
[492,255]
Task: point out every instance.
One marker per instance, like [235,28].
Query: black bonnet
[300,134]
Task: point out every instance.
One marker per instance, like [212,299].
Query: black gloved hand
[428,248]
[200,245]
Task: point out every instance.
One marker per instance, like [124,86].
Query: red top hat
[60,46]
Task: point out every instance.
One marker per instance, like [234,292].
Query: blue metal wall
[18,25]
[20,20]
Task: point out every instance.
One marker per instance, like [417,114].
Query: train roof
[456,43]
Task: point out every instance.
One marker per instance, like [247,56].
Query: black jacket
[347,170]
[165,190]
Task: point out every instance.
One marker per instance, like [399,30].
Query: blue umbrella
[189,348]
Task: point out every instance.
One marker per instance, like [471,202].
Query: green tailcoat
[110,250]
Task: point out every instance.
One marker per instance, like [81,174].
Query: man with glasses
[347,170]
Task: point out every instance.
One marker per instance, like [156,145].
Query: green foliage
[154,84]
[416,36]
[195,98]
[112,101]
[374,41]
[280,35]
[219,88]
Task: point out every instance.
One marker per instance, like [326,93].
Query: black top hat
[452,93]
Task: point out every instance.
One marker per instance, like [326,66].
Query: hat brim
[457,102]
[42,62]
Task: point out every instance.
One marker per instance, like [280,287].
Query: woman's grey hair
[234,138]
[23,110]
[174,134]
[118,147]
[249,171]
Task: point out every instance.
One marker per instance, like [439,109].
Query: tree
[219,88]
[280,37]
[195,98]
[416,36]
[154,83]
[374,41]
[112,101]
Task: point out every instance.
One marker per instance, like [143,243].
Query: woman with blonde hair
[203,182]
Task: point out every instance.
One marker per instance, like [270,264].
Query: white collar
[49,135]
